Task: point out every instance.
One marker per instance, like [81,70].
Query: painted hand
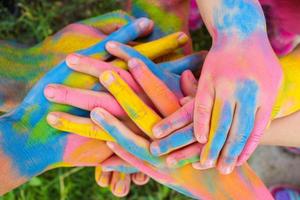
[136,148]
[26,136]
[238,86]
[179,124]
[193,184]
[75,97]
[21,68]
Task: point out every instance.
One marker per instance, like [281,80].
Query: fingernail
[154,149]
[107,78]
[208,163]
[202,139]
[120,187]
[110,145]
[197,166]
[132,63]
[97,113]
[171,161]
[140,177]
[111,45]
[200,166]
[157,132]
[144,23]
[226,169]
[73,59]
[182,38]
[50,92]
[52,119]
[106,169]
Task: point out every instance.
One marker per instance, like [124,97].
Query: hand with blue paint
[21,67]
[239,82]
[28,144]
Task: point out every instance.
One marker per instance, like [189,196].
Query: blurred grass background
[29,22]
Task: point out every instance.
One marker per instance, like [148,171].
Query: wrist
[28,157]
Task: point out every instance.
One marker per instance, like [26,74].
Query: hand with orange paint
[62,45]
[25,136]
[21,68]
[87,100]
[144,117]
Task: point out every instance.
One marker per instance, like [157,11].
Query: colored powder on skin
[121,168]
[30,160]
[171,80]
[220,134]
[175,140]
[181,163]
[246,95]
[240,16]
[116,17]
[133,148]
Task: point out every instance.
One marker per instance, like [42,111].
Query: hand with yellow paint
[186,180]
[26,137]
[87,100]
[282,131]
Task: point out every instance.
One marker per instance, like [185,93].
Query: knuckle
[186,114]
[65,94]
[202,111]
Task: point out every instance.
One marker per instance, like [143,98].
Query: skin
[138,112]
[282,132]
[88,32]
[21,67]
[26,133]
[191,185]
[235,95]
[51,76]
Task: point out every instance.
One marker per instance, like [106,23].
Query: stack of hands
[135,110]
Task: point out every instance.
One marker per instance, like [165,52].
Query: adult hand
[26,137]
[192,184]
[21,68]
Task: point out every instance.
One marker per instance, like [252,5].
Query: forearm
[283,132]
[232,19]
[9,178]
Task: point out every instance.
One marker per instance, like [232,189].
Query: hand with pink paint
[29,146]
[136,147]
[239,82]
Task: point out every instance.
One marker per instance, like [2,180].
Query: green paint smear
[182,163]
[41,131]
[167,22]
[130,111]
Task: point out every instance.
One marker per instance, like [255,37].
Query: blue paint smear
[122,168]
[241,15]
[125,142]
[176,140]
[30,160]
[221,132]
[29,156]
[191,62]
[246,95]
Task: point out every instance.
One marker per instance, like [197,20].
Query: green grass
[29,22]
